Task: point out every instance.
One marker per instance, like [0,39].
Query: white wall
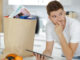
[5,7]
[40,10]
[75,6]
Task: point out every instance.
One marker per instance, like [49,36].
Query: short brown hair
[54,6]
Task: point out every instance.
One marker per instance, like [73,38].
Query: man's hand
[58,28]
[39,57]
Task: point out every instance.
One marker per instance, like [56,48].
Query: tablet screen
[39,53]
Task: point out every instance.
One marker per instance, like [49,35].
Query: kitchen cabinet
[39,43]
[36,2]
[0,15]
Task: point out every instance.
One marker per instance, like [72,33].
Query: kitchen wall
[41,12]
[74,6]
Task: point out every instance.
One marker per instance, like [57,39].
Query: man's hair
[53,6]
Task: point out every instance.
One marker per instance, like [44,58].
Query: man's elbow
[69,57]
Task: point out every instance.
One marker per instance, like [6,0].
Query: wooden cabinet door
[0,15]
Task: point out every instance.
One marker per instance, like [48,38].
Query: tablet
[39,53]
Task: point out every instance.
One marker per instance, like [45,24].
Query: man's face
[57,17]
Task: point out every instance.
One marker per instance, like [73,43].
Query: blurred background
[38,8]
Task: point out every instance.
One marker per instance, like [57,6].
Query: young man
[62,29]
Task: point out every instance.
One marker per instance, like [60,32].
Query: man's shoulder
[74,24]
[49,23]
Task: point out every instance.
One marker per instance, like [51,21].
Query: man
[62,29]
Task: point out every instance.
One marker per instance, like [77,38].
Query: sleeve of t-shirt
[75,32]
[50,33]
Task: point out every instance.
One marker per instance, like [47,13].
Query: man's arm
[49,47]
[47,51]
[68,49]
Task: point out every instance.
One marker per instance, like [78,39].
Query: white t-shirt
[71,33]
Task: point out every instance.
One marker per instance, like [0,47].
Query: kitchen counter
[55,58]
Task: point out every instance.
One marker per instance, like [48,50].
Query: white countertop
[55,58]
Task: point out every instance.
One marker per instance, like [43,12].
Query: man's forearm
[47,52]
[65,47]
[49,47]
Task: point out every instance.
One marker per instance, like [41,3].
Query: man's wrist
[59,34]
[47,52]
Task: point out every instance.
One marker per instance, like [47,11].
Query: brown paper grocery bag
[18,36]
